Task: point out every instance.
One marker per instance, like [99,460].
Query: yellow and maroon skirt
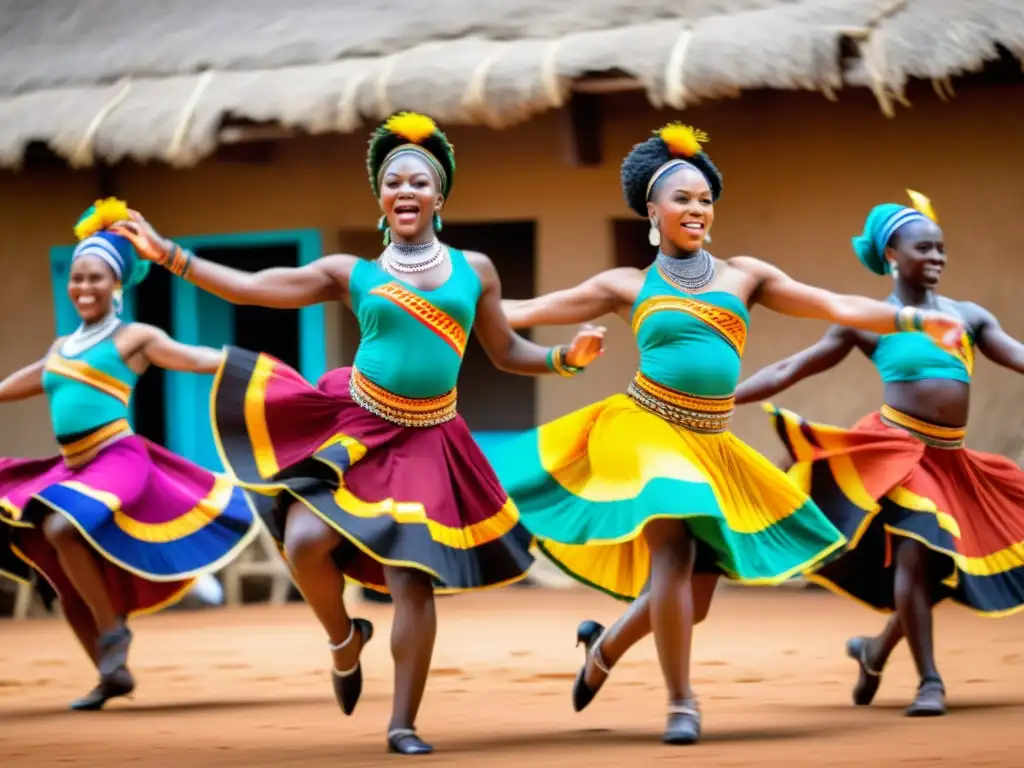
[402,480]
[893,476]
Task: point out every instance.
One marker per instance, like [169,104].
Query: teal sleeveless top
[914,356]
[412,341]
[87,390]
[689,342]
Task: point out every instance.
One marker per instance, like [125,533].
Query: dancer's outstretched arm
[24,383]
[780,293]
[161,350]
[602,294]
[827,353]
[993,342]
[508,350]
[326,279]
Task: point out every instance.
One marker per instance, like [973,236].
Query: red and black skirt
[893,477]
[402,480]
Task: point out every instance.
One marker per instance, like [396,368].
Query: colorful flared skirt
[586,485]
[402,481]
[893,477]
[156,521]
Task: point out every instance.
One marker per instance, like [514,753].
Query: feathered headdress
[117,252]
[410,132]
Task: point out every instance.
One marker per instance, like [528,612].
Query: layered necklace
[87,336]
[692,273]
[400,257]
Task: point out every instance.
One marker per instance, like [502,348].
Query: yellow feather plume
[100,216]
[923,205]
[411,126]
[683,139]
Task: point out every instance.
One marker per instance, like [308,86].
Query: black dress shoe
[589,634]
[348,684]
[404,741]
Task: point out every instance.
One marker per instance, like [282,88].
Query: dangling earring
[118,300]
[382,226]
[707,238]
[654,235]
[438,224]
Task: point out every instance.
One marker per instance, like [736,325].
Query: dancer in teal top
[651,484]
[927,518]
[118,525]
[372,474]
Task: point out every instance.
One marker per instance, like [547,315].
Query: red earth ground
[250,687]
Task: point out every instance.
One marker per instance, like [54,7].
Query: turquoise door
[202,318]
[65,315]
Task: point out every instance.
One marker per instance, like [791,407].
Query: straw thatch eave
[494,76]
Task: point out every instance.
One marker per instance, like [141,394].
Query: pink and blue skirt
[155,521]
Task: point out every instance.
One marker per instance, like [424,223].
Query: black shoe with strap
[684,723]
[404,741]
[348,683]
[930,700]
[869,679]
[589,634]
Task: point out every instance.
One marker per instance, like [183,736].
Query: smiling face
[917,253]
[91,286]
[682,207]
[410,195]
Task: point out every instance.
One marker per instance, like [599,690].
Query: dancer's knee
[411,589]
[912,557]
[671,544]
[59,531]
[308,540]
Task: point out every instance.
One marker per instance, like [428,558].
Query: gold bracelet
[556,362]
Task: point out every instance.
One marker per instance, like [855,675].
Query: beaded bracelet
[180,261]
[557,364]
[909,319]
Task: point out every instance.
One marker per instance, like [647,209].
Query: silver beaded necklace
[690,274]
[401,257]
[88,336]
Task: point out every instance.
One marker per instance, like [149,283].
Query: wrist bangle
[556,362]
[909,319]
[180,261]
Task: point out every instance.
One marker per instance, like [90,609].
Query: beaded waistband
[404,411]
[82,450]
[698,414]
[947,438]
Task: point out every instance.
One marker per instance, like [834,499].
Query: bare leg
[309,543]
[671,601]
[914,607]
[79,563]
[635,624]
[913,620]
[412,646]
[76,612]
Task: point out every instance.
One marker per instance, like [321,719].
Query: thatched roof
[113,79]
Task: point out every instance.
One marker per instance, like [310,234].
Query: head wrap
[115,251]
[882,223]
[413,133]
[672,147]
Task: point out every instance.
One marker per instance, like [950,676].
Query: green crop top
[689,342]
[412,341]
[914,356]
[87,390]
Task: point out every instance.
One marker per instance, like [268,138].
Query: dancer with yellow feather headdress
[651,484]
[119,526]
[372,474]
[927,518]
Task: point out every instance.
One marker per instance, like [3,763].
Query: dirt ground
[250,687]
